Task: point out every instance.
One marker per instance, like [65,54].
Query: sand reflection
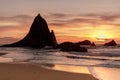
[101,73]
[69,68]
[104,73]
[2,59]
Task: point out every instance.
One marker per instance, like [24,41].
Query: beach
[25,71]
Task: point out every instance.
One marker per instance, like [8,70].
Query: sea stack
[111,43]
[69,46]
[85,42]
[38,36]
[93,44]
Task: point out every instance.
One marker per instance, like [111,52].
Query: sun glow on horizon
[104,36]
[101,37]
[103,33]
[99,34]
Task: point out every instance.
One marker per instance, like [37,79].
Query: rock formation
[69,46]
[39,35]
[54,41]
[93,44]
[85,42]
[111,43]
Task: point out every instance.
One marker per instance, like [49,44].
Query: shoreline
[11,71]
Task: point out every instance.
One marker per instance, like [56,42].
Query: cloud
[105,17]
[17,19]
[56,24]
[8,40]
[5,23]
[10,28]
[58,15]
[93,19]
[22,18]
[63,19]
[82,20]
[72,21]
[109,18]
[14,26]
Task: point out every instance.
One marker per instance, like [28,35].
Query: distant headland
[40,36]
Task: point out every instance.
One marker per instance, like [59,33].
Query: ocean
[96,59]
[107,56]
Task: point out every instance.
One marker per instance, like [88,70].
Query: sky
[71,20]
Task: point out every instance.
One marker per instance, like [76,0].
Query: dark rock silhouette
[85,42]
[111,43]
[69,46]
[93,44]
[53,39]
[39,35]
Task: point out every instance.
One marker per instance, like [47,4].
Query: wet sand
[34,72]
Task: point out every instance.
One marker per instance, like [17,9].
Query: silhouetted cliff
[93,44]
[85,42]
[111,43]
[39,35]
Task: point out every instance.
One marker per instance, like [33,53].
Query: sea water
[106,57]
[101,60]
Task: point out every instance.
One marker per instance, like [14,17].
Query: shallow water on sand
[101,73]
[107,57]
[98,61]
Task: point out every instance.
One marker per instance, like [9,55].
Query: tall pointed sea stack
[39,35]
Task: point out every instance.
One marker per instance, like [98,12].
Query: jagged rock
[54,41]
[93,44]
[69,46]
[39,35]
[111,43]
[85,42]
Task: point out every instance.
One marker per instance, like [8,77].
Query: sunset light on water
[59,39]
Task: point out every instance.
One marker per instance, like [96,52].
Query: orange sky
[98,21]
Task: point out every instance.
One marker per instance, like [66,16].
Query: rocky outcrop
[69,46]
[39,35]
[111,43]
[53,39]
[85,42]
[93,44]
